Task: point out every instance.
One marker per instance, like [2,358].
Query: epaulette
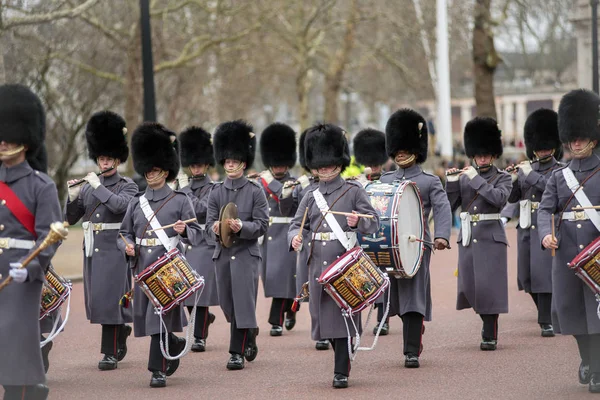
[127,179]
[44,177]
[430,174]
[255,183]
[355,183]
[387,173]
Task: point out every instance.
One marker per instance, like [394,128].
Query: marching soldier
[369,151]
[288,203]
[102,203]
[31,204]
[327,152]
[278,151]
[410,299]
[482,192]
[529,181]
[155,158]
[573,303]
[237,267]
[197,156]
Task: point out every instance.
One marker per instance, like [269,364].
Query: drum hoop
[395,234]
[60,297]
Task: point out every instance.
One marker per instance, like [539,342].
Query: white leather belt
[329,236]
[575,216]
[10,243]
[280,220]
[484,217]
[203,226]
[101,226]
[152,242]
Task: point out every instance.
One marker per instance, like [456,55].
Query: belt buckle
[474,217]
[4,243]
[579,215]
[534,206]
[325,236]
[151,242]
[97,227]
[270,220]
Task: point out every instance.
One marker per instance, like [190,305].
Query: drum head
[410,223]
[229,211]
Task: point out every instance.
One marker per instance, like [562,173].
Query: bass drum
[397,247]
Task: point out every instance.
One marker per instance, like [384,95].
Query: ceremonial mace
[58,231]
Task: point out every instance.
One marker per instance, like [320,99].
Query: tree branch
[48,17]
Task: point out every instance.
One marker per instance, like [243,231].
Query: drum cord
[55,332]
[598,308]
[164,347]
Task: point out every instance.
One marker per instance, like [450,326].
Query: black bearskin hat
[152,145]
[301,153]
[482,136]
[369,147]
[278,146]
[235,140]
[39,160]
[326,145]
[402,132]
[541,133]
[22,118]
[106,135]
[578,116]
[196,147]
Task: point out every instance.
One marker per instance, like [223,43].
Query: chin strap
[406,162]
[237,169]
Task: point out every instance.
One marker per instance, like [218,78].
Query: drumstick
[586,208]
[347,214]
[187,221]
[124,240]
[553,250]
[413,238]
[299,236]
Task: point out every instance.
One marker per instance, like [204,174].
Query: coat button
[309,245]
[269,208]
[324,243]
[189,247]
[474,240]
[579,226]
[1,251]
[97,215]
[474,223]
[533,196]
[96,250]
[581,246]
[233,257]
[3,202]
[532,226]
[149,250]
[1,227]
[235,190]
[270,238]
[475,208]
[324,262]
[325,225]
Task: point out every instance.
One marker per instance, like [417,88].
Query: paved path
[525,366]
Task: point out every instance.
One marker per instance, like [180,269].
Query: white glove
[182,179]
[172,184]
[471,172]
[74,192]
[504,220]
[92,179]
[525,166]
[287,192]
[18,274]
[452,178]
[261,240]
[304,181]
[267,176]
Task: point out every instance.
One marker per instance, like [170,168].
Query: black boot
[547,330]
[276,330]
[159,379]
[584,373]
[340,381]
[45,352]
[411,361]
[199,345]
[236,361]
[108,363]
[595,383]
[290,320]
[124,333]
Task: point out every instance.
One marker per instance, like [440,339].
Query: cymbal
[229,211]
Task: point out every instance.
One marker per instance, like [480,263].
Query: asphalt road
[525,366]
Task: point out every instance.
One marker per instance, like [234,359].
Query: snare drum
[55,291]
[400,211]
[354,281]
[587,265]
[169,281]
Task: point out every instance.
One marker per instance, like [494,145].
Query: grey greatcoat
[237,266]
[200,256]
[414,295]
[288,206]
[326,316]
[482,265]
[20,355]
[278,265]
[106,276]
[573,303]
[135,225]
[534,272]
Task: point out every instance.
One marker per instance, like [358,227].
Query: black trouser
[156,361]
[202,321]
[113,338]
[412,323]
[543,302]
[490,326]
[240,338]
[32,392]
[342,358]
[380,311]
[589,350]
[278,309]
